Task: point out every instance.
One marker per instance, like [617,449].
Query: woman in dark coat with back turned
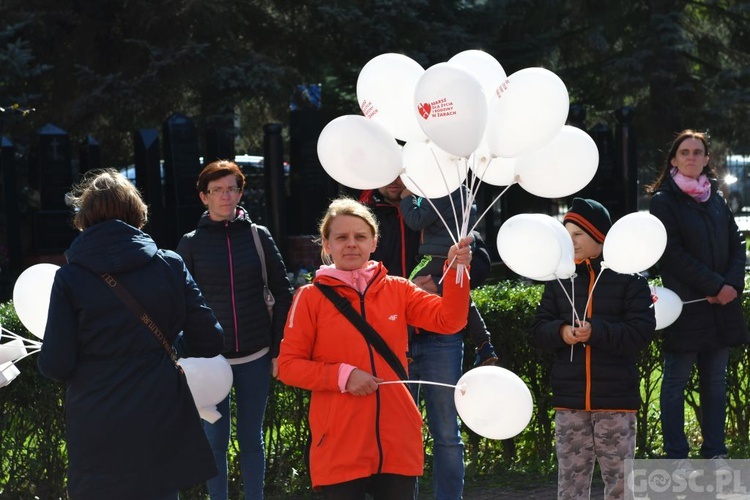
[133,430]
[704,259]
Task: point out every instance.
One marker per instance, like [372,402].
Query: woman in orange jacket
[365,436]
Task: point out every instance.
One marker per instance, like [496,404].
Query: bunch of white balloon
[463,121]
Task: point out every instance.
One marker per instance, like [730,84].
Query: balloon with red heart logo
[667,306]
[451,108]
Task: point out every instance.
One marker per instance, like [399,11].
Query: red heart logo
[424,110]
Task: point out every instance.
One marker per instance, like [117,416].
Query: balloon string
[591,294]
[445,184]
[706,298]
[489,207]
[696,300]
[460,387]
[447,227]
[15,336]
[28,353]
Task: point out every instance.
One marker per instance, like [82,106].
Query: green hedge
[32,447]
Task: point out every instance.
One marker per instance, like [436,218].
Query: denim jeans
[439,358]
[712,379]
[251,385]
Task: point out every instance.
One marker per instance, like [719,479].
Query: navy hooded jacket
[133,430]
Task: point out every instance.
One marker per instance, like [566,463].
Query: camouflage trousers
[584,437]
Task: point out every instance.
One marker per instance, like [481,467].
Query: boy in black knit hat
[595,385]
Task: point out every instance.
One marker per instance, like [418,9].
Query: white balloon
[567,266]
[667,306]
[359,153]
[493,402]
[429,171]
[451,108]
[31,295]
[529,245]
[8,373]
[497,171]
[561,167]
[485,68]
[11,351]
[210,380]
[526,112]
[385,90]
[634,243]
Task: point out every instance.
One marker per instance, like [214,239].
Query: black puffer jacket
[705,250]
[224,262]
[602,375]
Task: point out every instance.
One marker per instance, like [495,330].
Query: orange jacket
[358,436]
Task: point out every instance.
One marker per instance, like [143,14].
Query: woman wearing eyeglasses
[223,259]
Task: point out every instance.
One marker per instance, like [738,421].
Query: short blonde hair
[344,206]
[104,195]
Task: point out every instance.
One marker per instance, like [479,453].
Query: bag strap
[368,332]
[261,253]
[259,246]
[137,309]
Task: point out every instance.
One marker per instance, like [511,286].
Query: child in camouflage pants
[595,384]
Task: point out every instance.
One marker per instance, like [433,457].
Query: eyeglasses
[222,191]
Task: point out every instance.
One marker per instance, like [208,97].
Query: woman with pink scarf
[704,263]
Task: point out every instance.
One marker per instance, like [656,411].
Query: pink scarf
[699,189]
[357,279]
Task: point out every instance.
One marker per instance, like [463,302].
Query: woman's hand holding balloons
[460,254]
[726,295]
[361,383]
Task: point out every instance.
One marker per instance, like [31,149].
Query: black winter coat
[222,257]
[602,374]
[132,427]
[705,250]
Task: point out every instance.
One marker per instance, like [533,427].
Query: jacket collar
[241,217]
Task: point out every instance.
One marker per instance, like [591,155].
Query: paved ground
[537,492]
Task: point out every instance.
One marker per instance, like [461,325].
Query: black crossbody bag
[368,332]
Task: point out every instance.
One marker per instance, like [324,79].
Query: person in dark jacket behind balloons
[595,384]
[704,264]
[133,430]
[222,256]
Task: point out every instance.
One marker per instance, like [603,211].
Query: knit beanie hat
[591,216]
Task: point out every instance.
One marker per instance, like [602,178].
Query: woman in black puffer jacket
[222,257]
[704,259]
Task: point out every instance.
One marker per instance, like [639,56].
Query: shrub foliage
[32,444]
